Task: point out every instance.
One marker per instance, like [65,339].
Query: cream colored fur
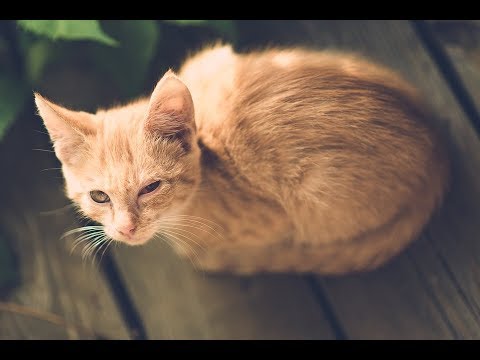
[280,160]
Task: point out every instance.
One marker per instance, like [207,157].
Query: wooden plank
[176,302]
[430,291]
[443,275]
[461,40]
[53,281]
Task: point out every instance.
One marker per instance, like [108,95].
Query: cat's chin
[134,241]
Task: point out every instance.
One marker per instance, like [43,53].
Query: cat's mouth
[136,241]
[132,240]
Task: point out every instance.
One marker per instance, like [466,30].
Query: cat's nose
[127,230]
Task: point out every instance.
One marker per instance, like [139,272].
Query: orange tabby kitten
[281,160]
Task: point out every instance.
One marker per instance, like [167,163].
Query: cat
[277,160]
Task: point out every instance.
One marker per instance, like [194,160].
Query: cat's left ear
[170,112]
[67,128]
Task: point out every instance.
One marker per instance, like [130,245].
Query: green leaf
[68,30]
[12,98]
[127,65]
[37,55]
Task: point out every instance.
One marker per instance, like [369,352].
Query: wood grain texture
[177,302]
[445,260]
[53,281]
[461,40]
[430,291]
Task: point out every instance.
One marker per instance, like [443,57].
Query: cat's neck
[225,194]
[218,167]
[220,177]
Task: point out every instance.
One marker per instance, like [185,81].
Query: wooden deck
[431,291]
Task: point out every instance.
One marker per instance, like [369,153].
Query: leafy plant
[122,50]
[68,30]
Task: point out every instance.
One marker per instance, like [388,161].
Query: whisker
[164,238]
[109,242]
[194,220]
[48,169]
[82,239]
[85,238]
[79,229]
[44,150]
[90,247]
[168,241]
[53,212]
[41,132]
[187,245]
[86,248]
[90,232]
[174,235]
[195,217]
[98,247]
[189,232]
[187,239]
[87,235]
[182,223]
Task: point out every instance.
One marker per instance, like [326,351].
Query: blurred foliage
[78,59]
[12,94]
[120,51]
[68,30]
[226,27]
[9,275]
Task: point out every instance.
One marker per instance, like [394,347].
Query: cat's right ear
[67,128]
[170,112]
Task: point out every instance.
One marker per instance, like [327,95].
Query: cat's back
[290,105]
[277,113]
[290,90]
[210,76]
[342,144]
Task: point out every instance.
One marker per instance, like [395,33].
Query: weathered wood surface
[444,264]
[53,281]
[431,290]
[176,302]
[419,295]
[461,41]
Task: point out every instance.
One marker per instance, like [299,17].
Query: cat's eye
[149,188]
[99,196]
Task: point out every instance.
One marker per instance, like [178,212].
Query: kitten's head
[129,167]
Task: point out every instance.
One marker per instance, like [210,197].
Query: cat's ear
[170,111]
[67,128]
